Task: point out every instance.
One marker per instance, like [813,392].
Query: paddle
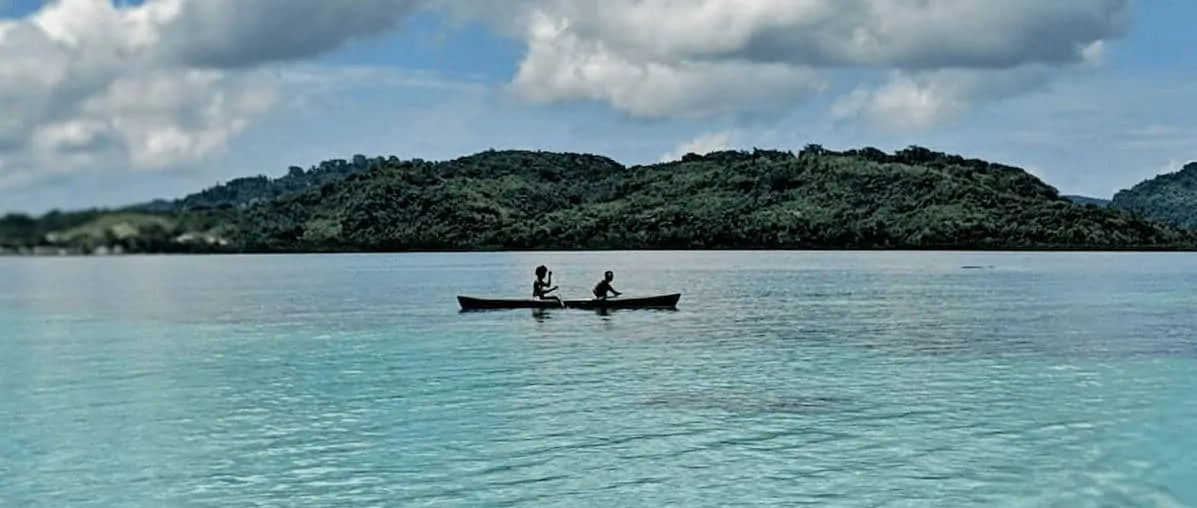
[560,300]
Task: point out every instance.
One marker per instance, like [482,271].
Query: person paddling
[541,288]
[604,287]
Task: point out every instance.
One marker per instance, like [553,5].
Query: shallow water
[836,379]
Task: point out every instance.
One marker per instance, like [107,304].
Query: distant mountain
[1086,200]
[914,198]
[169,225]
[1170,198]
[253,189]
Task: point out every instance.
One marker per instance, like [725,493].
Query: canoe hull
[471,303]
[647,302]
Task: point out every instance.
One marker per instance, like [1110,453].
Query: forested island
[817,198]
[1170,198]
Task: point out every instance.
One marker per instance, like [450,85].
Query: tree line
[914,198]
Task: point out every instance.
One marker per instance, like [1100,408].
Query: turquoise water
[830,379]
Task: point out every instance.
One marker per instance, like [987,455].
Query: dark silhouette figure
[541,288]
[603,288]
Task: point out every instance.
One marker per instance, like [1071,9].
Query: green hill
[817,199]
[84,231]
[1170,198]
[1086,200]
[912,199]
[253,189]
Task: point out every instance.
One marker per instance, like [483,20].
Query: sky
[107,103]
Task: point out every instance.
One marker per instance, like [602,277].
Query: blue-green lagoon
[784,378]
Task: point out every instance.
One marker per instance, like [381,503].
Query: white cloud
[703,144]
[167,118]
[920,100]
[86,85]
[907,34]
[1093,53]
[562,66]
[694,58]
[82,88]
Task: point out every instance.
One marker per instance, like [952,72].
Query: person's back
[603,288]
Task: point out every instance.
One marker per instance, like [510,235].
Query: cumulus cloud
[562,66]
[920,100]
[908,34]
[85,84]
[693,58]
[79,86]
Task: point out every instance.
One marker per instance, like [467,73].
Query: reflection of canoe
[647,302]
[471,303]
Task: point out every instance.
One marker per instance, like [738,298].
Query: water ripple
[794,379]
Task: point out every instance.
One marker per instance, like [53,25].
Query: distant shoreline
[914,199]
[1045,250]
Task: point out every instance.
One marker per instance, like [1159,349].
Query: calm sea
[829,379]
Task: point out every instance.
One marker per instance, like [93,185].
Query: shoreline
[67,253]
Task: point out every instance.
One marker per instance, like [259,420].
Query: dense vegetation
[912,199]
[1170,198]
[170,226]
[255,189]
[1086,200]
[86,231]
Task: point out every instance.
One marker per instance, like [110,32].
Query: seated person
[603,288]
[541,288]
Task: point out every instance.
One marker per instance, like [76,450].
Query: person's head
[541,271]
[609,276]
